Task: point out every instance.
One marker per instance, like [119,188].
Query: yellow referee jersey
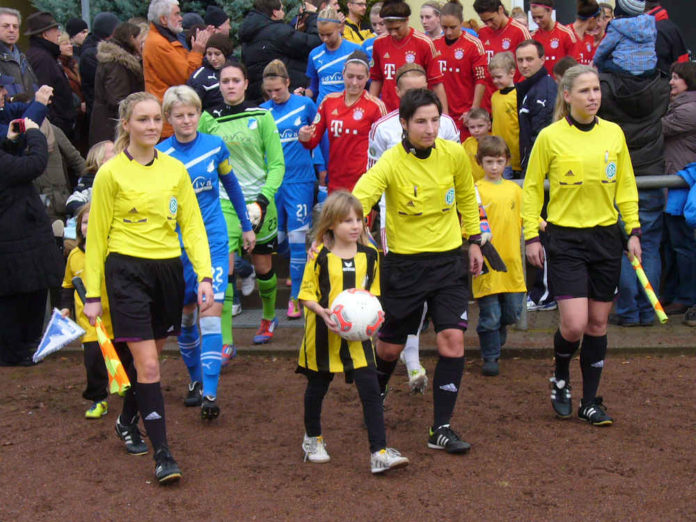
[506,123]
[135,211]
[324,278]
[423,197]
[74,267]
[590,174]
[471,147]
[502,202]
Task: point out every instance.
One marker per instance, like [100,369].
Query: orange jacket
[165,64]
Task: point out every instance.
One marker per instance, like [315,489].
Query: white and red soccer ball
[357,313]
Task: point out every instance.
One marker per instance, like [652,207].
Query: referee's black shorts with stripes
[409,280]
[584,262]
[146,296]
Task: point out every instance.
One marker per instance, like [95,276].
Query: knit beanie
[74,26]
[104,24]
[191,19]
[215,16]
[629,8]
[222,43]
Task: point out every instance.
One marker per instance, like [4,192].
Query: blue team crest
[173,205]
[611,171]
[449,197]
[253,123]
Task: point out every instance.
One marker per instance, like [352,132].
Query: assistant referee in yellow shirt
[426,181]
[586,161]
[139,197]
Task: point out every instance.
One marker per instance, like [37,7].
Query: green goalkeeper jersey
[256,155]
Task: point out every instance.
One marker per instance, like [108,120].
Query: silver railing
[642,182]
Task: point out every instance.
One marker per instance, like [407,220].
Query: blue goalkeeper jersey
[289,117]
[367,46]
[205,159]
[325,68]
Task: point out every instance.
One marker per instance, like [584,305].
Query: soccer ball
[357,313]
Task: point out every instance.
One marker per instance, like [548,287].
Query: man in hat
[77,31]
[43,53]
[217,18]
[103,27]
[12,61]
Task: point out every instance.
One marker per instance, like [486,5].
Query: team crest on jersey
[506,43]
[589,48]
[554,43]
[459,54]
[253,123]
[298,121]
[358,114]
[410,57]
[317,119]
[173,205]
[211,166]
[449,197]
[610,171]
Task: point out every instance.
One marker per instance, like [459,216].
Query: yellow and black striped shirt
[324,278]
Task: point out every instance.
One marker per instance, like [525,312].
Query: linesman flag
[118,380]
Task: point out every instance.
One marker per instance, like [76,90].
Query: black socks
[563,351]
[592,354]
[446,381]
[151,406]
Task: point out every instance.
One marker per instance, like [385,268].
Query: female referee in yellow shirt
[138,199]
[586,161]
[426,182]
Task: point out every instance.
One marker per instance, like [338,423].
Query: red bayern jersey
[584,49]
[558,43]
[494,42]
[463,66]
[388,55]
[348,129]
[505,39]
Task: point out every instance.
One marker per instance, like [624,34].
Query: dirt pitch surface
[525,464]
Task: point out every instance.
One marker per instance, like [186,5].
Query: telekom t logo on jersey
[389,71]
[337,127]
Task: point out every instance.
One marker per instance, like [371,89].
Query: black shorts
[268,248]
[146,296]
[407,281]
[584,262]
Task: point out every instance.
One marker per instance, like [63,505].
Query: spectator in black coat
[206,80]
[29,258]
[265,36]
[637,105]
[77,32]
[536,96]
[102,28]
[43,53]
[670,46]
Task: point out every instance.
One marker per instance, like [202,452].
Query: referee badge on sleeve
[173,205]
